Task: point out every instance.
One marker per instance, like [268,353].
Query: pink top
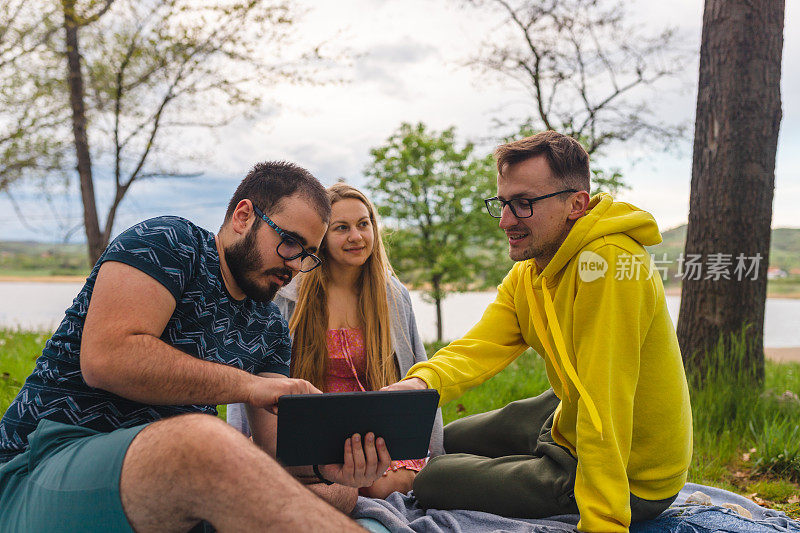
[347,367]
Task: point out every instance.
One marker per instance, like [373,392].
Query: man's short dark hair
[268,183]
[568,161]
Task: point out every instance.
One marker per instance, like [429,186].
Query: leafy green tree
[430,191]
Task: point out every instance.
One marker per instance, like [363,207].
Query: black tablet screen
[312,428]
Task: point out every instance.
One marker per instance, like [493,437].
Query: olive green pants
[505,462]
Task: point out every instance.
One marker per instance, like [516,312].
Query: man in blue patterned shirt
[111,430]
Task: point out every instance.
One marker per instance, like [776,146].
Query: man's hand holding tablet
[363,462]
[362,465]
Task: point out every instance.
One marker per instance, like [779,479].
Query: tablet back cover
[312,428]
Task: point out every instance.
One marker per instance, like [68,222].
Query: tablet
[312,428]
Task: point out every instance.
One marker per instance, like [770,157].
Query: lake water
[462,310]
[31,305]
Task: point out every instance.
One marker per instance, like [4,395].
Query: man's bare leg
[192,467]
[339,496]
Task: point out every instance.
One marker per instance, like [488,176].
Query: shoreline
[783,355]
[676,291]
[43,279]
[668,291]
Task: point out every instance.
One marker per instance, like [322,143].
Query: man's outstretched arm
[487,348]
[121,350]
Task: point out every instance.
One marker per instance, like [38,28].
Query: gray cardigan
[408,349]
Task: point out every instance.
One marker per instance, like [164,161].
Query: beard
[246,268]
[541,250]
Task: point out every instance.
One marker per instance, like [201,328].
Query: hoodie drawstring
[538,325]
[561,348]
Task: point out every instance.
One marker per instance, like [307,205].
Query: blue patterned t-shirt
[207,323]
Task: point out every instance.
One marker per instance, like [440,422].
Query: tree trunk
[76,96]
[437,298]
[733,177]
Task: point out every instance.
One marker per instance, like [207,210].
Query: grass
[788,286]
[18,353]
[736,422]
[28,273]
[29,259]
[746,440]
[523,378]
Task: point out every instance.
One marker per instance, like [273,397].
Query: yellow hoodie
[598,316]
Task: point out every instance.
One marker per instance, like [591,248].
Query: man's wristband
[319,476]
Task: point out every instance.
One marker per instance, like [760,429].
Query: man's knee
[187,443]
[518,486]
[433,481]
[201,430]
[462,435]
[452,481]
[172,465]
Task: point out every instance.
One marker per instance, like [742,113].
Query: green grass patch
[28,259]
[784,286]
[775,490]
[18,353]
[523,378]
[43,272]
[732,416]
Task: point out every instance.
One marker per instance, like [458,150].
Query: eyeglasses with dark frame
[520,207]
[289,248]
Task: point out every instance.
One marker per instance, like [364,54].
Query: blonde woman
[352,324]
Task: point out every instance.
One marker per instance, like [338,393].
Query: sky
[407,65]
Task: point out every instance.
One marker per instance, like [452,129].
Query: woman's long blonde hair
[309,322]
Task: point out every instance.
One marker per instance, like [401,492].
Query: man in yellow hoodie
[612,439]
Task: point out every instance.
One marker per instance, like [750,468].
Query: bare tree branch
[88,19]
[165,174]
[20,215]
[583,64]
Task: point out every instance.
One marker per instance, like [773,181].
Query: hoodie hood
[603,217]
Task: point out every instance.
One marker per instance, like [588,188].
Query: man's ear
[242,217]
[579,203]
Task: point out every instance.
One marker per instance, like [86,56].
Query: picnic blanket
[400,513]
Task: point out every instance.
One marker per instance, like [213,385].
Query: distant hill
[35,247]
[784,248]
[28,258]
